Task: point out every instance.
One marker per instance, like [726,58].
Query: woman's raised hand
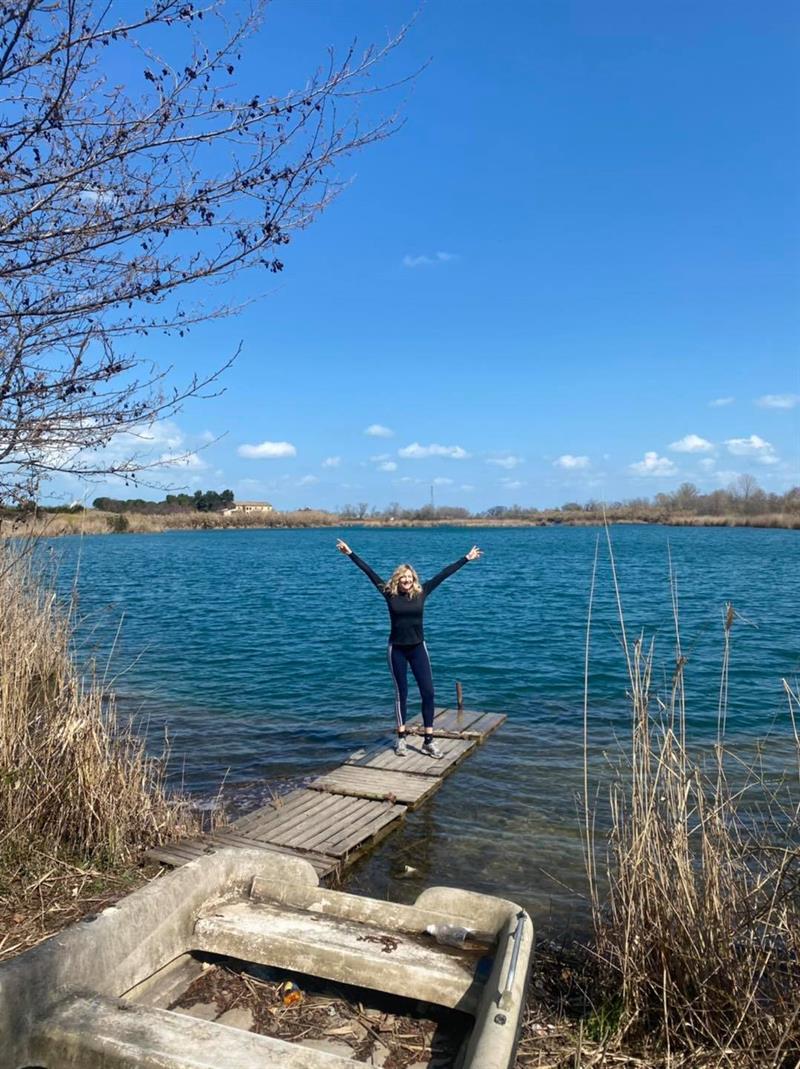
[343,547]
[474,553]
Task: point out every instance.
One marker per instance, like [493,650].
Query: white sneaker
[431,749]
[400,747]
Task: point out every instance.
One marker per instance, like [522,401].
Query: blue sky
[572,274]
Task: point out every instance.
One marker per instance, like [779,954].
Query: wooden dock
[343,813]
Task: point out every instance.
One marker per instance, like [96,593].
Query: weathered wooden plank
[318,824]
[376,835]
[348,832]
[339,842]
[447,721]
[283,823]
[320,827]
[364,835]
[294,802]
[294,824]
[347,810]
[485,725]
[173,855]
[323,864]
[413,762]
[455,720]
[404,787]
[454,750]
[467,724]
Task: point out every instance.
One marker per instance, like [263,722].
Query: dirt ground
[34,908]
[366,1026]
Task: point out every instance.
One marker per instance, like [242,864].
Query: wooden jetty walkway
[340,815]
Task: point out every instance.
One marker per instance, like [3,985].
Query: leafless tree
[115,200]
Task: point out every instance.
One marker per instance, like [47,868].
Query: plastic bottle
[454,935]
[451,935]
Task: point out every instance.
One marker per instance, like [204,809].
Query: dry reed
[73,779]
[699,936]
[90,521]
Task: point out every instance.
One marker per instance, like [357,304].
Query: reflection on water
[263,655]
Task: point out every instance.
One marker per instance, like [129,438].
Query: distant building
[243,508]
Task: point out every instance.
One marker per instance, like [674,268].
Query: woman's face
[405,582]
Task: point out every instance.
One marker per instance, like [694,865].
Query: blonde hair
[392,587]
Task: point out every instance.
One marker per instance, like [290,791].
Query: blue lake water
[263,653]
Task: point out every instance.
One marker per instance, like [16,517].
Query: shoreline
[92,522]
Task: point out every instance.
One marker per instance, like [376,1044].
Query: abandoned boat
[93,997]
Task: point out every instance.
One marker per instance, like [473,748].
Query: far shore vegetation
[742,504]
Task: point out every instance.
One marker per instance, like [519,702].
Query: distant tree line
[744,497]
[199,501]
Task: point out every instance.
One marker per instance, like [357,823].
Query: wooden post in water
[459,697]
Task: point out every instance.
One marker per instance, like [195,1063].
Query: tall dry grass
[73,778]
[90,521]
[698,936]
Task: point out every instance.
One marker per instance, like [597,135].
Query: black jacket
[405,612]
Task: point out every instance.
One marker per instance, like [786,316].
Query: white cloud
[512,484]
[753,446]
[377,430]
[387,465]
[692,443]
[707,463]
[161,443]
[508,462]
[94,196]
[441,481]
[331,462]
[653,464]
[163,432]
[570,463]
[267,450]
[778,400]
[467,487]
[415,451]
[720,402]
[426,261]
[307,480]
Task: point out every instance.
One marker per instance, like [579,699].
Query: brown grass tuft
[73,779]
[699,937]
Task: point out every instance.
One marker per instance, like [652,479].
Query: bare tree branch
[114,201]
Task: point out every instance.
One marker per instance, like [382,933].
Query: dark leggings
[400,657]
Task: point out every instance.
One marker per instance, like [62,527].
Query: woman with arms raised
[405,599]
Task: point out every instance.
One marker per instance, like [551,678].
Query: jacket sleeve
[431,584]
[365,568]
